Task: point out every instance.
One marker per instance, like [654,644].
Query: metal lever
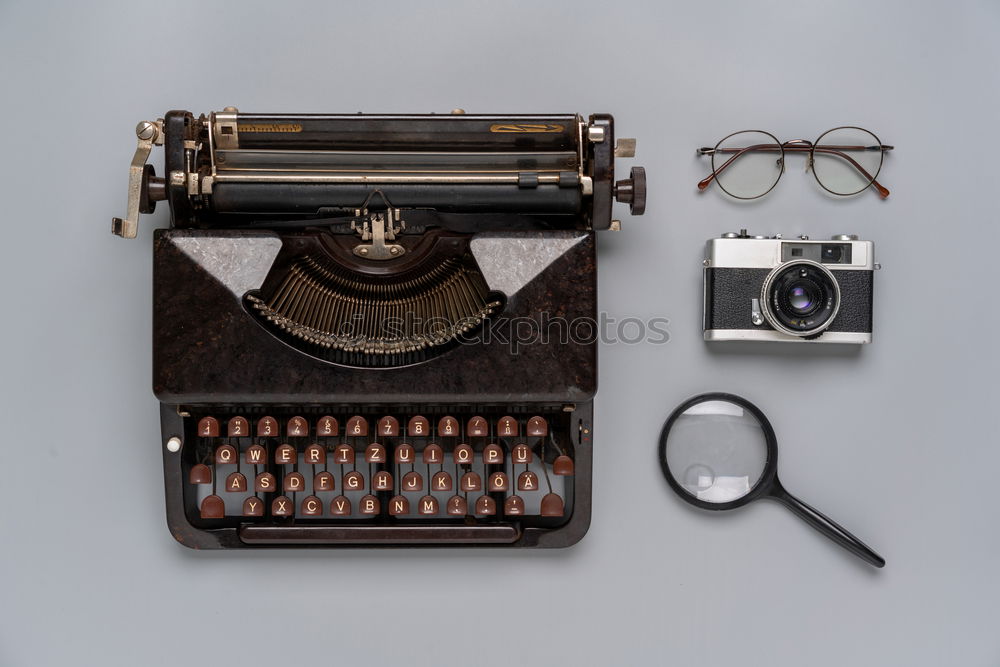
[148,133]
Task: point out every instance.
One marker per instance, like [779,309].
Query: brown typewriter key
[354,481]
[237,428]
[463,454]
[255,455]
[552,505]
[285,454]
[294,482]
[507,426]
[208,427]
[297,427]
[324,481]
[315,454]
[563,465]
[428,505]
[369,505]
[200,474]
[527,481]
[225,454]
[281,506]
[327,427]
[498,482]
[265,483]
[441,481]
[387,427]
[486,506]
[433,454]
[457,506]
[537,427]
[477,427]
[267,427]
[311,506]
[343,454]
[493,454]
[448,427]
[356,426]
[412,481]
[405,454]
[418,427]
[236,482]
[375,453]
[253,506]
[399,505]
[471,481]
[212,507]
[521,454]
[340,506]
[513,506]
[382,481]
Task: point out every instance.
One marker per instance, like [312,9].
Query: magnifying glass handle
[828,527]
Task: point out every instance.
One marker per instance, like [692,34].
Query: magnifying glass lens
[716,451]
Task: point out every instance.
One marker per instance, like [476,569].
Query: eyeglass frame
[796,146]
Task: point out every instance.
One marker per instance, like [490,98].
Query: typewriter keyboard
[322,475]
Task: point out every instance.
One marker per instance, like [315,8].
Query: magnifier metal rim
[763,485]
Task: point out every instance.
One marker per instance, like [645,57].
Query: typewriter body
[340,308]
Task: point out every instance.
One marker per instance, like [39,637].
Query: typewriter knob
[632,191]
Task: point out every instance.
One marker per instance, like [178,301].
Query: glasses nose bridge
[800,145]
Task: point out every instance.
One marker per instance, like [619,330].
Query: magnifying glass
[718,452]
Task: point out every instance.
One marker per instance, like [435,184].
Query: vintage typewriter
[339,318]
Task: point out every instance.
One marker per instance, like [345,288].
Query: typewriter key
[527,481]
[428,505]
[433,454]
[356,426]
[471,481]
[265,482]
[237,428]
[521,454]
[552,505]
[388,427]
[477,427]
[412,481]
[297,427]
[200,474]
[343,454]
[370,505]
[507,426]
[285,454]
[513,506]
[315,454]
[382,481]
[354,481]
[493,454]
[311,506]
[294,482]
[208,427]
[399,505]
[327,427]
[441,481]
[563,465]
[340,506]
[236,482]
[255,455]
[212,507]
[498,482]
[375,453]
[537,427]
[281,506]
[418,427]
[463,454]
[253,506]
[324,481]
[225,454]
[486,506]
[267,427]
[458,506]
[405,454]
[447,427]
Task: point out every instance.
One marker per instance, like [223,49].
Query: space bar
[253,534]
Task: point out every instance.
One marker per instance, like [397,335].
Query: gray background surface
[897,440]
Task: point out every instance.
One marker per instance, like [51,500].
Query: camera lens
[801,298]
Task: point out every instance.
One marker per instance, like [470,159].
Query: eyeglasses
[844,160]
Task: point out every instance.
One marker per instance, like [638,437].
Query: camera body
[794,290]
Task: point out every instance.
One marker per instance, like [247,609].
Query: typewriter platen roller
[340,316]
